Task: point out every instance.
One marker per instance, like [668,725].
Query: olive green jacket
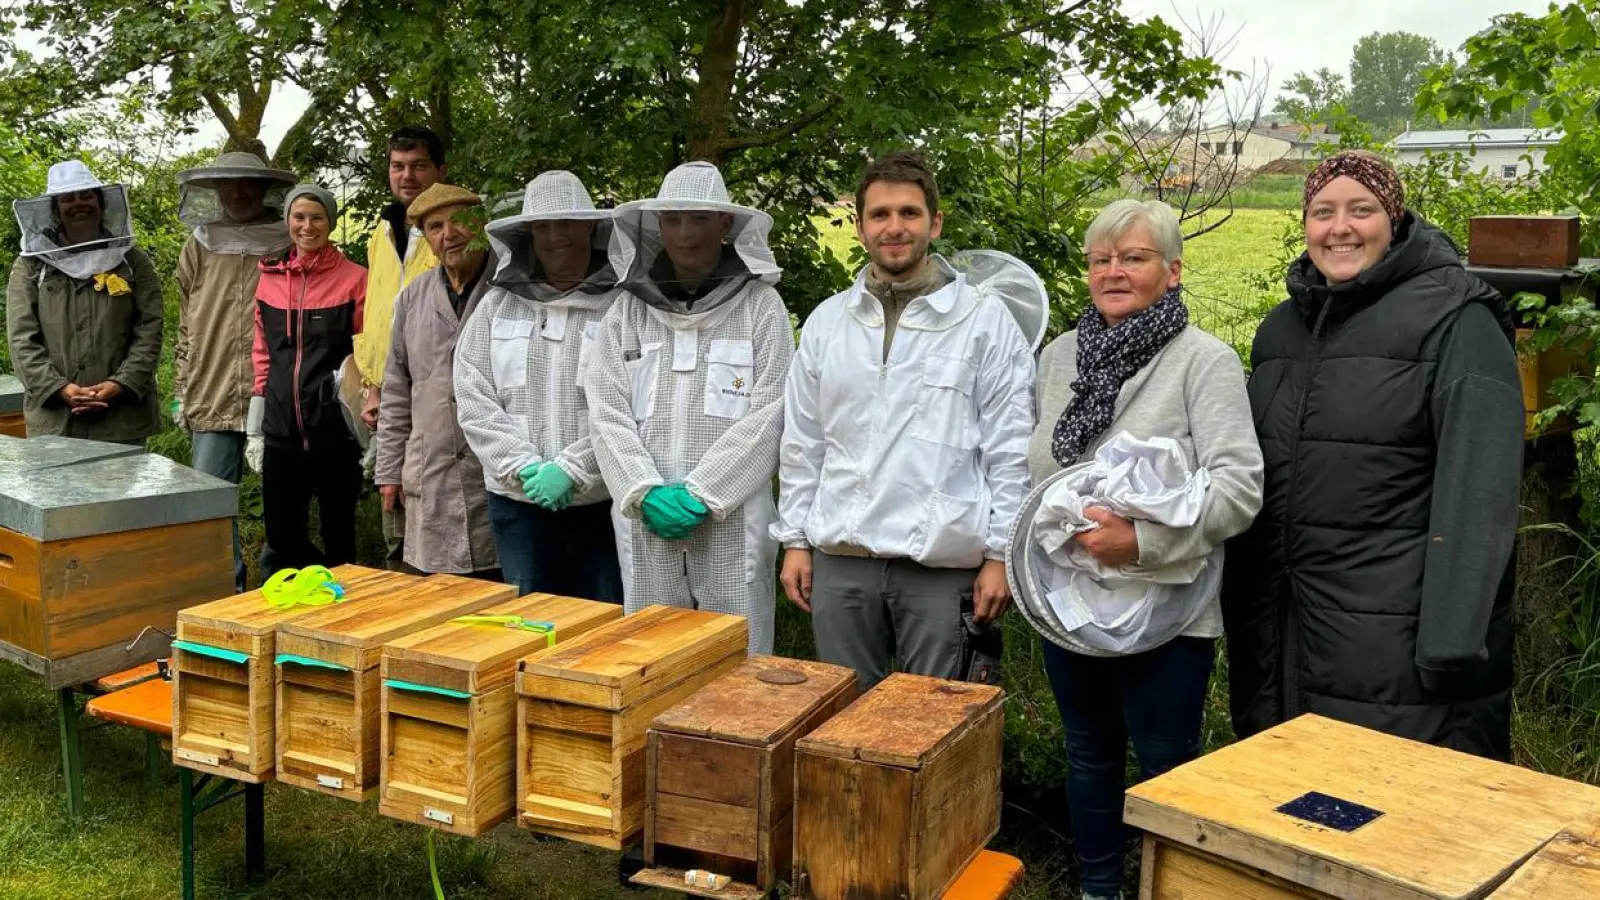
[63,331]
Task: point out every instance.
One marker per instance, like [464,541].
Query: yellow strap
[548,629]
[311,586]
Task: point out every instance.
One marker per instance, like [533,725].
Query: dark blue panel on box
[1330,812]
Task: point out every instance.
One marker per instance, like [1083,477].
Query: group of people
[596,404]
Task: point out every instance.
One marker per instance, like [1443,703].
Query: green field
[319,848]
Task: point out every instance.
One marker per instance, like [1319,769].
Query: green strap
[311,586]
[232,656]
[548,629]
[308,661]
[433,869]
[426,689]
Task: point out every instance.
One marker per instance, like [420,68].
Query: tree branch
[767,139]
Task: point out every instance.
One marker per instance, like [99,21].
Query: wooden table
[1451,826]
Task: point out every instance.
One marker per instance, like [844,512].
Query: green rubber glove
[550,487]
[671,511]
[528,474]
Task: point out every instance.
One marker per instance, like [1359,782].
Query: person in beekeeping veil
[83,312]
[686,399]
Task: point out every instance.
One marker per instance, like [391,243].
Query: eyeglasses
[1132,258]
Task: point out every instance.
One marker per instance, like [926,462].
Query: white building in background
[1248,146]
[1501,152]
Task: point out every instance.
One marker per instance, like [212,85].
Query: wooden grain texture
[671,879]
[1453,825]
[618,664]
[581,762]
[448,758]
[1545,242]
[710,770]
[853,826]
[327,730]
[753,705]
[231,623]
[903,720]
[68,598]
[12,425]
[957,807]
[1177,873]
[353,634]
[478,658]
[1567,868]
[146,706]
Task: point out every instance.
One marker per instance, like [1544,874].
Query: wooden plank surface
[956,811]
[353,634]
[1567,868]
[229,623]
[712,770]
[902,721]
[146,706]
[1453,825]
[487,655]
[853,821]
[1172,872]
[620,663]
[757,702]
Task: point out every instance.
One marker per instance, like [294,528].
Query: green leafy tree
[1387,70]
[1307,99]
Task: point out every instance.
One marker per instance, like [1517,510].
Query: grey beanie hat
[316,192]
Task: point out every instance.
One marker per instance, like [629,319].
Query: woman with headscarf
[83,313]
[235,206]
[309,304]
[1386,397]
[686,399]
[519,381]
[1135,369]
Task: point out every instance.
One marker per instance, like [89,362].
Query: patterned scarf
[1107,357]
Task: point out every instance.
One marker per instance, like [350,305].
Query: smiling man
[423,459]
[907,416]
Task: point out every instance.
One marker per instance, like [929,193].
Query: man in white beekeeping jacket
[686,399]
[905,442]
[520,397]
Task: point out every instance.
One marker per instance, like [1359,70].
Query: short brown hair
[905,166]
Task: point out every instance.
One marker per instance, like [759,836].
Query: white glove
[254,443]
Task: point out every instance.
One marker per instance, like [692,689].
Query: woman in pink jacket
[308,312]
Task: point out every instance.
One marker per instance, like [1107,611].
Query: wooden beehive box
[1450,825]
[1567,867]
[585,708]
[11,398]
[222,675]
[897,794]
[100,546]
[450,712]
[720,777]
[327,679]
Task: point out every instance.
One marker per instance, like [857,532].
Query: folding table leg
[188,804]
[255,836]
[67,716]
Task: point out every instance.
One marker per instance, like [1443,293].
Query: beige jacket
[216,328]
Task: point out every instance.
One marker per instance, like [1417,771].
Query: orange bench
[991,876]
[147,706]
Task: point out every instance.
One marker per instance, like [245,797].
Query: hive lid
[352,635]
[48,451]
[1568,866]
[1451,825]
[903,721]
[90,491]
[758,702]
[231,623]
[10,395]
[480,657]
[616,665]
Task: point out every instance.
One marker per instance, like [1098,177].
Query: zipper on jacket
[299,356]
[551,424]
[1287,621]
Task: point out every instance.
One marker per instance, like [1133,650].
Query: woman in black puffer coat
[1376,585]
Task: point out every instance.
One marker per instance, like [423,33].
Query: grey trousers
[866,612]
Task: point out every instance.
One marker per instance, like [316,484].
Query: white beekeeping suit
[520,359]
[686,387]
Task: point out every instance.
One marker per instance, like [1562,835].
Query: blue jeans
[221,453]
[572,552]
[1157,699]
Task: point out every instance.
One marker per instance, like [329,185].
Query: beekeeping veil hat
[553,196]
[1014,283]
[639,254]
[201,205]
[44,238]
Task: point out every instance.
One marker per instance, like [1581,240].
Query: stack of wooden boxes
[449,709]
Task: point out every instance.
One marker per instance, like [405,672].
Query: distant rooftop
[1483,137]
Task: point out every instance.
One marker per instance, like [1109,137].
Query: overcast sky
[1287,35]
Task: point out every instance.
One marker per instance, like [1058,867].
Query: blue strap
[308,661]
[426,689]
[232,656]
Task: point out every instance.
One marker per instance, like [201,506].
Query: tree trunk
[716,69]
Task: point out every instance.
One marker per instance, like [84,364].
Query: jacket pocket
[643,375]
[508,353]
[946,412]
[730,371]
[591,335]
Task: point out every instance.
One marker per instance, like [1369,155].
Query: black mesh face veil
[235,205]
[45,238]
[559,198]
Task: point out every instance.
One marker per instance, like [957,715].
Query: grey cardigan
[1193,392]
